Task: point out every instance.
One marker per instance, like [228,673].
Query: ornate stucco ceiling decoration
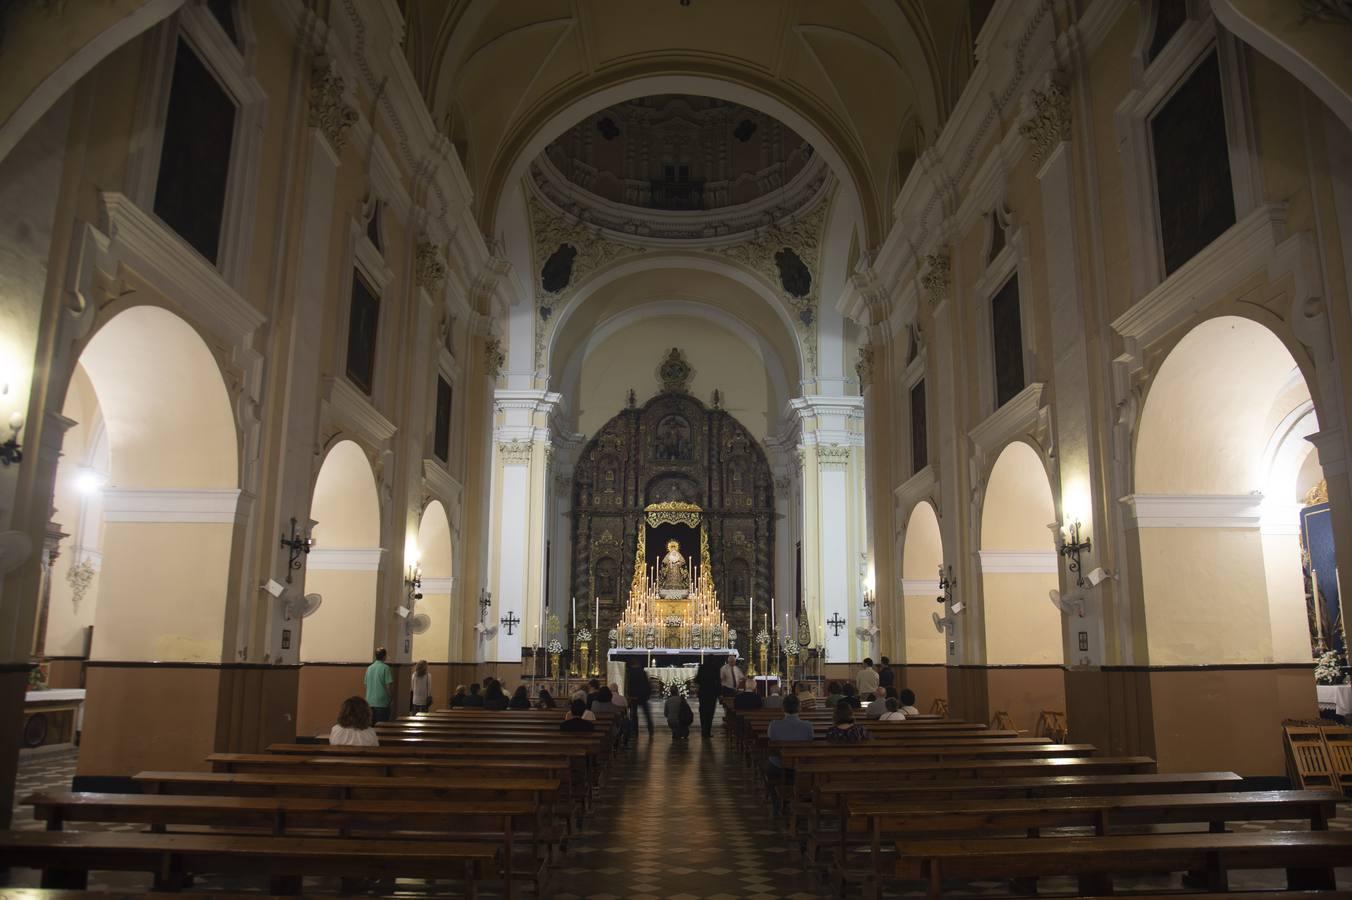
[680,167]
[848,75]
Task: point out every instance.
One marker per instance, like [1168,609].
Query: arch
[1220,454]
[534,130]
[344,564]
[144,382]
[435,549]
[1019,561]
[922,553]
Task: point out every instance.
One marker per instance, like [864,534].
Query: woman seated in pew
[458,698]
[354,725]
[578,718]
[520,698]
[474,699]
[845,731]
[878,706]
[906,702]
[546,700]
[494,696]
[894,713]
[806,698]
[833,695]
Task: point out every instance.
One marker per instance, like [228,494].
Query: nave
[689,819]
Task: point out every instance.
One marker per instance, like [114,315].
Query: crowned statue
[675,575]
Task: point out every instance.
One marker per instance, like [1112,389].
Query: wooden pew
[493,821]
[877,821]
[1308,856]
[66,858]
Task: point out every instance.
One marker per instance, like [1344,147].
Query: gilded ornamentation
[328,111]
[494,358]
[429,268]
[1317,494]
[937,277]
[833,456]
[1049,122]
[516,453]
[673,513]
[80,577]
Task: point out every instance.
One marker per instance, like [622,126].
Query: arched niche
[344,563]
[1221,466]
[434,549]
[921,555]
[155,457]
[1019,562]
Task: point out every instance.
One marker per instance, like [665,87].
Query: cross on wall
[510,621]
[836,623]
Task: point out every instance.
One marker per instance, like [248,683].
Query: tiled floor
[678,820]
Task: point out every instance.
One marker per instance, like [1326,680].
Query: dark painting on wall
[199,128]
[362,324]
[919,428]
[1316,536]
[1007,344]
[1192,166]
[441,434]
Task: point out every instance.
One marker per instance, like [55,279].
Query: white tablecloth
[1337,697]
[62,694]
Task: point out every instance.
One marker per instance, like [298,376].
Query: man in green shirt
[379,682]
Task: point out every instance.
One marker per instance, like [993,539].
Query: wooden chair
[1000,719]
[1307,757]
[1052,724]
[939,707]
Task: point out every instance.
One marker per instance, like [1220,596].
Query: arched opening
[344,568]
[1222,471]
[924,646]
[1018,570]
[445,630]
[147,490]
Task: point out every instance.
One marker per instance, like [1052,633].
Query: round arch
[922,553]
[150,521]
[344,564]
[435,559]
[1019,561]
[1221,465]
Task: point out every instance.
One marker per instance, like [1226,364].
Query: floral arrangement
[554,646]
[1328,668]
[792,647]
[763,637]
[584,634]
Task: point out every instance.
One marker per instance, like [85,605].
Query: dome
[680,166]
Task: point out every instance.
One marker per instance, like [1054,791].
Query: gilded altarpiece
[674,448]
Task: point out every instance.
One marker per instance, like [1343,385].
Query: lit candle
[596,622]
[574,612]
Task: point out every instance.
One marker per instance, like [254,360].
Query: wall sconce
[298,546]
[413,582]
[946,584]
[485,603]
[10,451]
[1069,545]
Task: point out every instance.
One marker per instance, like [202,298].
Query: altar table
[52,716]
[1337,697]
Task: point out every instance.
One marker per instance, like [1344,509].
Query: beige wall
[1022,626]
[630,359]
[921,555]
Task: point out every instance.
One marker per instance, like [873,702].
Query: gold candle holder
[585,651]
[553,665]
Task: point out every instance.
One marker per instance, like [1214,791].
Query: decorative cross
[510,621]
[836,623]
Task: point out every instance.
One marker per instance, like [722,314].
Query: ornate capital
[863,367]
[938,276]
[328,111]
[1048,123]
[833,456]
[494,358]
[515,453]
[429,268]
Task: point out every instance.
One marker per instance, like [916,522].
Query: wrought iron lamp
[946,584]
[413,582]
[1069,545]
[298,547]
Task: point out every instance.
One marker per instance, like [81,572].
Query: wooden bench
[493,821]
[1308,856]
[874,821]
[66,858]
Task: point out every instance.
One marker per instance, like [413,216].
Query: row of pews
[937,801]
[465,797]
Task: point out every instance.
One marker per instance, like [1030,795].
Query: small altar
[666,657]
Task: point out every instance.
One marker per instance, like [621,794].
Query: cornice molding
[919,587]
[1018,562]
[165,505]
[1195,510]
[344,559]
[352,410]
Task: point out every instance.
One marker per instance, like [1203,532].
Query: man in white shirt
[729,677]
[867,679]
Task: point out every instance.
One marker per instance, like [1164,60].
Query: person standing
[730,677]
[379,688]
[422,687]
[710,687]
[640,691]
[867,679]
[886,677]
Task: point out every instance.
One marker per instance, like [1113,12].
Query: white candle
[574,612]
[596,622]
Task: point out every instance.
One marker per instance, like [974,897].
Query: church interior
[732,364]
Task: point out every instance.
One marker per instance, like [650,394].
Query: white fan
[864,633]
[941,622]
[305,606]
[1066,605]
[418,624]
[485,632]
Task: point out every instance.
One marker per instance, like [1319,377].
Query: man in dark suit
[639,691]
